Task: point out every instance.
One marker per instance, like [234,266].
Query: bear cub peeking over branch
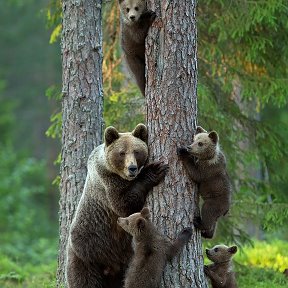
[136,20]
[220,272]
[152,250]
[206,166]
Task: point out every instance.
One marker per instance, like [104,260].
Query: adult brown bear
[117,184]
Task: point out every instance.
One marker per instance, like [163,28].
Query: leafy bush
[26,231]
[272,255]
[14,274]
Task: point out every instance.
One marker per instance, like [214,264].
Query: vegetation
[252,269]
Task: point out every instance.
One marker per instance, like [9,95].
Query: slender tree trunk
[171,118]
[82,106]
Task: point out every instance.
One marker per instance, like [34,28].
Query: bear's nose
[132,169]
[207,251]
[132,18]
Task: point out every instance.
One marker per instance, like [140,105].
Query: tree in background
[82,104]
[171,104]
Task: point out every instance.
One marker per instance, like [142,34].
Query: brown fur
[133,35]
[114,187]
[220,272]
[206,166]
[152,250]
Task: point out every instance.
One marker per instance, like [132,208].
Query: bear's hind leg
[137,67]
[79,275]
[207,222]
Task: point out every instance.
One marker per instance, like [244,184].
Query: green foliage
[24,207]
[55,129]
[53,16]
[242,53]
[124,108]
[251,277]
[14,274]
[272,255]
[7,119]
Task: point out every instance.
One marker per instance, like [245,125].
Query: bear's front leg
[153,174]
[221,281]
[189,162]
[207,222]
[177,245]
[150,16]
[133,199]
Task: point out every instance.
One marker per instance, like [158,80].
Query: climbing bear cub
[136,20]
[206,166]
[151,250]
[221,271]
[117,183]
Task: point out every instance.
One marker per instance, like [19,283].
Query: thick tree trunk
[171,118]
[82,106]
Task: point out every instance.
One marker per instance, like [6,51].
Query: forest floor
[259,266]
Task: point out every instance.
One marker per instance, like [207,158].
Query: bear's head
[205,144]
[221,253]
[132,10]
[136,223]
[126,153]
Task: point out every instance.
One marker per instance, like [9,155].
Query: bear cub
[206,166]
[135,22]
[152,250]
[220,272]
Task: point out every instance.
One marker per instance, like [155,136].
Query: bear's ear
[232,249]
[110,135]
[145,213]
[141,132]
[140,224]
[199,129]
[214,137]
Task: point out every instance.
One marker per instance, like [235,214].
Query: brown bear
[206,166]
[135,22]
[152,250]
[221,271]
[118,180]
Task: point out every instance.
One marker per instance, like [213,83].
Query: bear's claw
[182,151]
[197,221]
[156,171]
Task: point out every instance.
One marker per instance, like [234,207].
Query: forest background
[242,94]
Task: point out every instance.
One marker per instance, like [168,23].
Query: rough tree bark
[171,117]
[81,106]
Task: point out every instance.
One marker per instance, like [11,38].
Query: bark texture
[82,107]
[171,98]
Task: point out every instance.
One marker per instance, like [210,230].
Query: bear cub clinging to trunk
[206,166]
[151,250]
[220,272]
[135,22]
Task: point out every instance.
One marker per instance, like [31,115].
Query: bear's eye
[127,9]
[216,249]
[200,144]
[122,154]
[136,8]
[136,152]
